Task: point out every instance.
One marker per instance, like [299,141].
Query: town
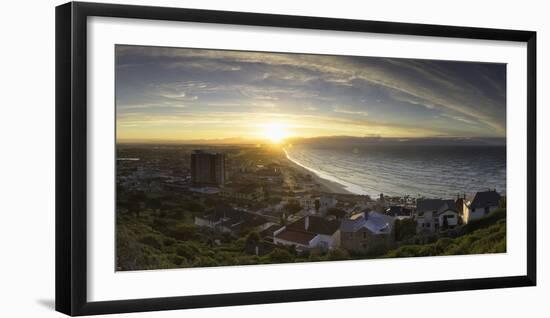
[205,205]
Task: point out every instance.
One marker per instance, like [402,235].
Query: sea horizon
[401,171]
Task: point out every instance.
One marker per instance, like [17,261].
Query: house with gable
[228,220]
[481,205]
[435,214]
[367,232]
[309,232]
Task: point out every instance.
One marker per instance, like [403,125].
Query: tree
[134,202]
[139,196]
[274,200]
[281,256]
[154,204]
[184,232]
[317,205]
[337,254]
[404,229]
[338,213]
[194,206]
[133,207]
[445,223]
[283,219]
[252,238]
[293,207]
[502,203]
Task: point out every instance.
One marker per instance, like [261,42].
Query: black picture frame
[71,157]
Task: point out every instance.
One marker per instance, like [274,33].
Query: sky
[179,94]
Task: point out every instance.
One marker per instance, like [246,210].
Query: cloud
[208,66]
[343,110]
[397,91]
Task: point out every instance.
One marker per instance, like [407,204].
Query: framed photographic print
[208,158]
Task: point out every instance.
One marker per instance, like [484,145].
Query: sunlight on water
[431,171]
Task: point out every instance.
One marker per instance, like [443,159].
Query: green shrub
[168,241]
[183,231]
[486,235]
[152,240]
[337,254]
[279,255]
[204,261]
[189,250]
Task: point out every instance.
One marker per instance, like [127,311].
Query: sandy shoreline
[325,184]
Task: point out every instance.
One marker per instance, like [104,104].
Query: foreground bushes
[153,241]
[486,235]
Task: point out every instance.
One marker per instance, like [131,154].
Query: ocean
[433,171]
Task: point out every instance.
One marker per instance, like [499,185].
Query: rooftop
[485,199]
[235,219]
[317,225]
[269,231]
[299,237]
[438,205]
[375,222]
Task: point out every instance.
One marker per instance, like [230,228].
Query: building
[243,193]
[481,205]
[229,220]
[434,214]
[326,202]
[207,169]
[306,201]
[301,240]
[310,232]
[269,232]
[367,232]
[399,211]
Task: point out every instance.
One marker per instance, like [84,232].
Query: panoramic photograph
[227,158]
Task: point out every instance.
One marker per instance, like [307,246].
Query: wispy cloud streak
[193,88]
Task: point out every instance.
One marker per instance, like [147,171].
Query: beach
[326,185]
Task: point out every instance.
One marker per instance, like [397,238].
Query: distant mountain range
[221,141]
[340,140]
[424,141]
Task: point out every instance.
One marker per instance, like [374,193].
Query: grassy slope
[486,235]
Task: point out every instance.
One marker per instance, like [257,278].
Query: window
[364,235]
[486,210]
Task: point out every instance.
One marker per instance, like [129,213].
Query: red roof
[299,237]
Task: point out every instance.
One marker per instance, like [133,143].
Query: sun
[275,132]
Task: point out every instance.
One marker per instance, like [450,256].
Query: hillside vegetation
[164,240]
[485,235]
[162,236]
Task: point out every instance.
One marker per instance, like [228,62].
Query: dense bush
[152,240]
[479,240]
[492,218]
[338,255]
[280,255]
[404,229]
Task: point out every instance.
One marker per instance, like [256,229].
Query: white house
[481,205]
[326,202]
[434,214]
[229,220]
[309,232]
[301,240]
